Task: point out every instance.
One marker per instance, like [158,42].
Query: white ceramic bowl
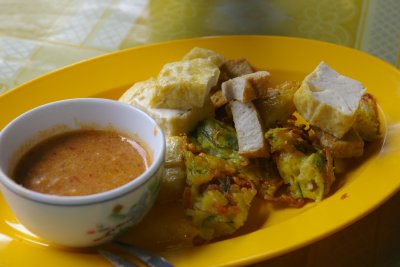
[80,221]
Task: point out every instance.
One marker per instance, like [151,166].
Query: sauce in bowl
[81,162]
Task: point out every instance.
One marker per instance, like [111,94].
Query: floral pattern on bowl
[121,221]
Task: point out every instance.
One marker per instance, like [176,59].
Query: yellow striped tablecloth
[42,35]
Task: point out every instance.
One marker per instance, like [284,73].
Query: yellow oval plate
[269,232]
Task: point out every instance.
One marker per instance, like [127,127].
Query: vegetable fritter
[219,185]
[306,169]
[217,197]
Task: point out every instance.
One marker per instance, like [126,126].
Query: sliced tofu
[350,145]
[238,89]
[210,55]
[237,67]
[249,130]
[247,87]
[171,121]
[185,84]
[329,100]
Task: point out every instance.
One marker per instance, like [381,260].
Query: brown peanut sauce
[81,162]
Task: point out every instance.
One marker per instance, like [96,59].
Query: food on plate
[81,162]
[198,52]
[305,168]
[240,92]
[329,100]
[220,140]
[276,106]
[238,89]
[350,145]
[184,84]
[174,170]
[367,122]
[219,204]
[236,67]
[277,142]
[219,192]
[249,129]
[247,87]
[218,99]
[172,121]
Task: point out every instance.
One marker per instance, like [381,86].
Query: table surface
[42,35]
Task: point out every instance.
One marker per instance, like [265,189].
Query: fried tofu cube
[171,121]
[329,100]
[185,84]
[198,52]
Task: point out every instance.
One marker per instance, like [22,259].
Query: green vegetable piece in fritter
[288,167]
[220,140]
[200,169]
[310,178]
